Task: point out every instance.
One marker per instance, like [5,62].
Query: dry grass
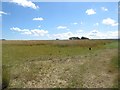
[54,64]
[82,43]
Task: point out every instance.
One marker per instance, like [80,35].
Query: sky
[26,20]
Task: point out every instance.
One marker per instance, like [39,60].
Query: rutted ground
[90,70]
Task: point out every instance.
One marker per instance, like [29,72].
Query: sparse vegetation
[5,77]
[60,64]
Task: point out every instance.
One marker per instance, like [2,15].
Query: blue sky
[50,20]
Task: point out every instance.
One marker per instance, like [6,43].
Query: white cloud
[64,35]
[96,24]
[104,9]
[38,32]
[1,12]
[81,22]
[90,12]
[27,32]
[95,34]
[62,27]
[67,35]
[109,21]
[79,31]
[38,19]
[25,3]
[18,29]
[113,34]
[39,26]
[75,23]
[35,32]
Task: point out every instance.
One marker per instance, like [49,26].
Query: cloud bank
[34,32]
[25,3]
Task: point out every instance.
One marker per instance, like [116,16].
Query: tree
[74,38]
[84,38]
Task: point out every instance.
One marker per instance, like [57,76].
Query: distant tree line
[77,38]
[3,39]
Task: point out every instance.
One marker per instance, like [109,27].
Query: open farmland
[60,63]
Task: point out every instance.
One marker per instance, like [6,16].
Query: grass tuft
[5,77]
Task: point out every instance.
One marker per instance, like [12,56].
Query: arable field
[60,64]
